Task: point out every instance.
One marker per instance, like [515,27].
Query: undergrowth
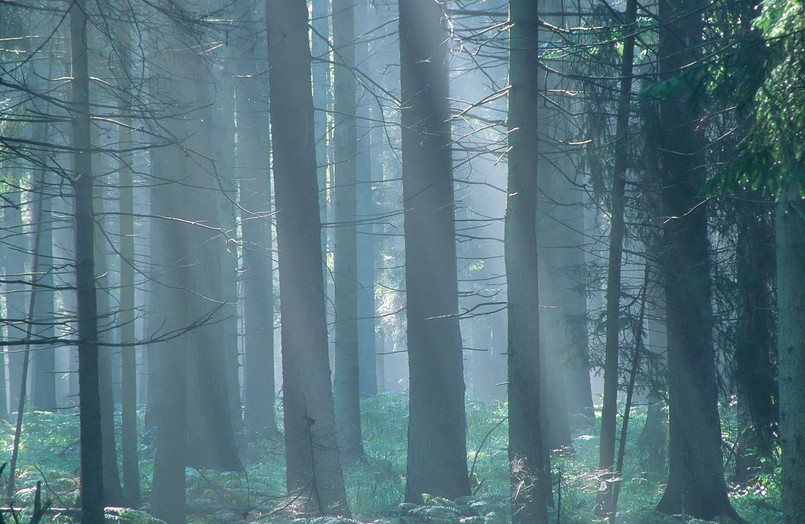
[376,485]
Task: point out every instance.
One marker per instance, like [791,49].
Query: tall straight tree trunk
[791,350]
[129,444]
[365,210]
[113,492]
[169,371]
[313,460]
[345,273]
[253,173]
[43,390]
[696,477]
[223,146]
[437,456]
[617,230]
[320,49]
[89,397]
[15,298]
[530,483]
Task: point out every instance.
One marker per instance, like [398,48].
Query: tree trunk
[89,397]
[366,246]
[257,272]
[43,390]
[345,272]
[129,444]
[313,461]
[696,478]
[609,411]
[791,350]
[223,147]
[15,297]
[437,457]
[527,460]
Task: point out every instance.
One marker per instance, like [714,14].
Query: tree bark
[129,443]
[313,461]
[345,272]
[89,397]
[530,482]
[606,457]
[253,174]
[791,350]
[696,478]
[437,457]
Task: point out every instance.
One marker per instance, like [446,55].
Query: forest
[402,261]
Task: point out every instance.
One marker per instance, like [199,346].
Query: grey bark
[791,350]
[437,457]
[313,461]
[530,484]
[92,488]
[345,271]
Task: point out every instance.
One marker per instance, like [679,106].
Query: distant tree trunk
[44,358]
[313,461]
[112,490]
[696,477]
[169,360]
[367,170]
[257,272]
[320,71]
[553,358]
[530,482]
[755,369]
[617,230]
[89,397]
[15,297]
[345,272]
[437,457]
[129,443]
[791,349]
[223,145]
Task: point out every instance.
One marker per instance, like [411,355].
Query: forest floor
[49,453]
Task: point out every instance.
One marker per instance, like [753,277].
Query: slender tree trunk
[609,411]
[530,482]
[89,397]
[365,243]
[791,350]
[345,273]
[131,469]
[313,461]
[43,390]
[15,297]
[255,203]
[437,457]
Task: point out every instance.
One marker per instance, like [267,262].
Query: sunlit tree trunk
[313,461]
[345,272]
[696,484]
[129,443]
[530,482]
[89,398]
[791,350]
[437,457]
[253,175]
[223,147]
[367,170]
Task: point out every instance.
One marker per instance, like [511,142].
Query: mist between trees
[402,261]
